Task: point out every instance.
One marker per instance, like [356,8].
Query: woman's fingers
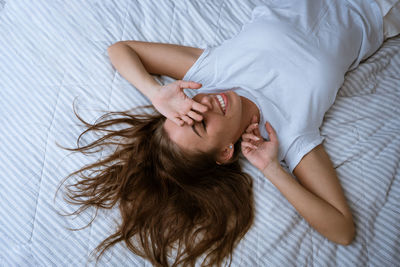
[254,119]
[257,132]
[195,116]
[255,129]
[193,104]
[271,132]
[199,107]
[249,136]
[251,127]
[187,119]
[248,145]
[178,121]
[189,84]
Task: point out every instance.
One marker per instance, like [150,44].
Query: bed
[55,51]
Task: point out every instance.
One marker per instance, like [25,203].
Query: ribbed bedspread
[52,51]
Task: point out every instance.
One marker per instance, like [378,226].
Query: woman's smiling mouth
[221,100]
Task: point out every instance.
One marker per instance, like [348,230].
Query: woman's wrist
[129,65]
[272,169]
[151,89]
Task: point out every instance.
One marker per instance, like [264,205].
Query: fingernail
[257,138]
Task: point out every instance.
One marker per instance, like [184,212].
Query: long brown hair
[170,200]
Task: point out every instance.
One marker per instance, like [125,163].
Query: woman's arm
[135,60]
[318,197]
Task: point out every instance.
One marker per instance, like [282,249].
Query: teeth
[221,101]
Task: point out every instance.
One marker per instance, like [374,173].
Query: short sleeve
[300,147]
[203,70]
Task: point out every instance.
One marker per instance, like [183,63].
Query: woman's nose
[206,100]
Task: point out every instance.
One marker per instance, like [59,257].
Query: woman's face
[221,126]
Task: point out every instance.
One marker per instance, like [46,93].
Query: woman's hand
[173,103]
[260,153]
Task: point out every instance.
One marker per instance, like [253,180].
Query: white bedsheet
[52,51]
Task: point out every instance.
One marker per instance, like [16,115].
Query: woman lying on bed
[175,173]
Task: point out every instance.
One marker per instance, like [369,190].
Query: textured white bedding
[54,51]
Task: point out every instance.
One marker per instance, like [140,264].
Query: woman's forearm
[129,65]
[321,215]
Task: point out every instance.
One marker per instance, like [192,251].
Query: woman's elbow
[113,47]
[348,234]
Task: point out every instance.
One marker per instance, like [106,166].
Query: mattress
[55,51]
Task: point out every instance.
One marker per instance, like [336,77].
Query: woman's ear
[226,154]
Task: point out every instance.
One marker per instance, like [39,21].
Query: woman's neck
[249,109]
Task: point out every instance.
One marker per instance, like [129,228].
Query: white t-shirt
[290,60]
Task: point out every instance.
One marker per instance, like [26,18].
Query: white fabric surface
[390,10]
[54,51]
[290,60]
